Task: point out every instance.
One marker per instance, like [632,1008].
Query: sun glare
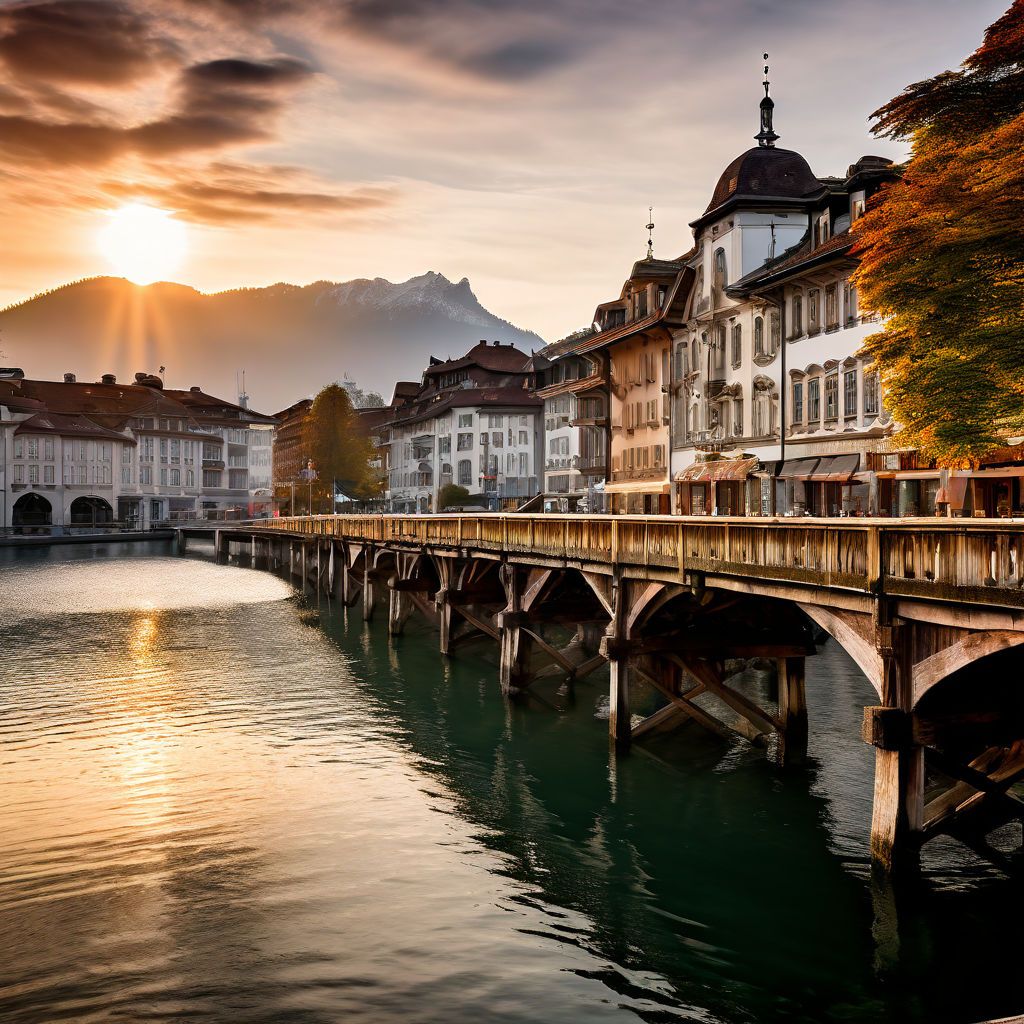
[142,243]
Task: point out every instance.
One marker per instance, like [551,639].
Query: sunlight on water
[146,584]
[213,811]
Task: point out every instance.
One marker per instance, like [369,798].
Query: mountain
[290,340]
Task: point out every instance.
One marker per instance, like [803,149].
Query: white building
[80,454]
[471,422]
[772,335]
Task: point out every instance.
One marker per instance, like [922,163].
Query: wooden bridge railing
[951,560]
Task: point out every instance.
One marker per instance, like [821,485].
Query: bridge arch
[969,650]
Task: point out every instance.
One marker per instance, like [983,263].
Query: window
[33,474]
[444,445]
[190,478]
[832,396]
[175,477]
[126,455]
[737,345]
[759,336]
[211,452]
[146,449]
[831,307]
[105,452]
[510,464]
[494,421]
[850,301]
[175,450]
[465,419]
[850,393]
[163,476]
[773,321]
[211,478]
[32,448]
[145,474]
[48,449]
[163,450]
[814,400]
[497,439]
[798,316]
[558,446]
[813,311]
[737,417]
[871,404]
[641,303]
[524,437]
[47,474]
[524,464]
[126,476]
[798,401]
[465,473]
[464,442]
[19,475]
[721,278]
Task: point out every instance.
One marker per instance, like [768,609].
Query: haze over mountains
[290,340]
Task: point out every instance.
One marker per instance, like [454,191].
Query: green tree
[339,448]
[942,257]
[451,495]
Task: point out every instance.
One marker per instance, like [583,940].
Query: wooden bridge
[670,604]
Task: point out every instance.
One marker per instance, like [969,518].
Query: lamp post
[309,474]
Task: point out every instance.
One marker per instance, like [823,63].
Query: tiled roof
[67,426]
[499,358]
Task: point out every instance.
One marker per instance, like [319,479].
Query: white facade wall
[483,449]
[147,477]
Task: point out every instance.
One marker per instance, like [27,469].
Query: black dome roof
[765,172]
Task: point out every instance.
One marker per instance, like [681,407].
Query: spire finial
[766,136]
[650,232]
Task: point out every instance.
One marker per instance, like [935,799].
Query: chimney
[108,378]
[140,377]
[495,343]
[69,378]
[195,387]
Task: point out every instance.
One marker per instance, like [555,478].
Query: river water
[215,809]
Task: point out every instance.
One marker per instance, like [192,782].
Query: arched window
[773,321]
[737,345]
[721,277]
[759,336]
[681,360]
[798,315]
[465,473]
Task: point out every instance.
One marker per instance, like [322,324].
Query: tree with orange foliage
[942,254]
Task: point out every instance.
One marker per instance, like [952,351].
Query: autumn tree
[942,254]
[339,448]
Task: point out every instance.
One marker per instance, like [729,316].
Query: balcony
[589,421]
[213,463]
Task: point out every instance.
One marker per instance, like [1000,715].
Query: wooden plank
[485,627]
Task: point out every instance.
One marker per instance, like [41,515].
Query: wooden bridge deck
[672,600]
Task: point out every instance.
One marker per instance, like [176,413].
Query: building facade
[472,422]
[81,454]
[573,387]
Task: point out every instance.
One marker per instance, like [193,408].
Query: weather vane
[650,232]
[767,136]
[766,82]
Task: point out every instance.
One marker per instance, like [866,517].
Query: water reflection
[214,811]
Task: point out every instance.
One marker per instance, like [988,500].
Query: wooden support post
[303,567]
[220,547]
[182,542]
[340,573]
[898,805]
[369,595]
[792,747]
[620,726]
[252,551]
[443,603]
[510,667]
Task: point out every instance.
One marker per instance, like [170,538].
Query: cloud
[236,193]
[95,42]
[219,103]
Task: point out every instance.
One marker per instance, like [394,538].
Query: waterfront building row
[730,381]
[77,453]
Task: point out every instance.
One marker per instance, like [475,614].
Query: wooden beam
[698,714]
[762,721]
[485,627]
[550,651]
[973,647]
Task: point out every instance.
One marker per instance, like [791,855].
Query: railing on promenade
[952,560]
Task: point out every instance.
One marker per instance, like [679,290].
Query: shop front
[639,497]
[715,487]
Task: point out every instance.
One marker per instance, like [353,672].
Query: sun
[143,243]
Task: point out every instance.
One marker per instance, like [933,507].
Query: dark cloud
[518,61]
[218,104]
[249,195]
[95,42]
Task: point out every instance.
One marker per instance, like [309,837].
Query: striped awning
[716,470]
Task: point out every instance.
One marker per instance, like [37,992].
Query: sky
[518,144]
